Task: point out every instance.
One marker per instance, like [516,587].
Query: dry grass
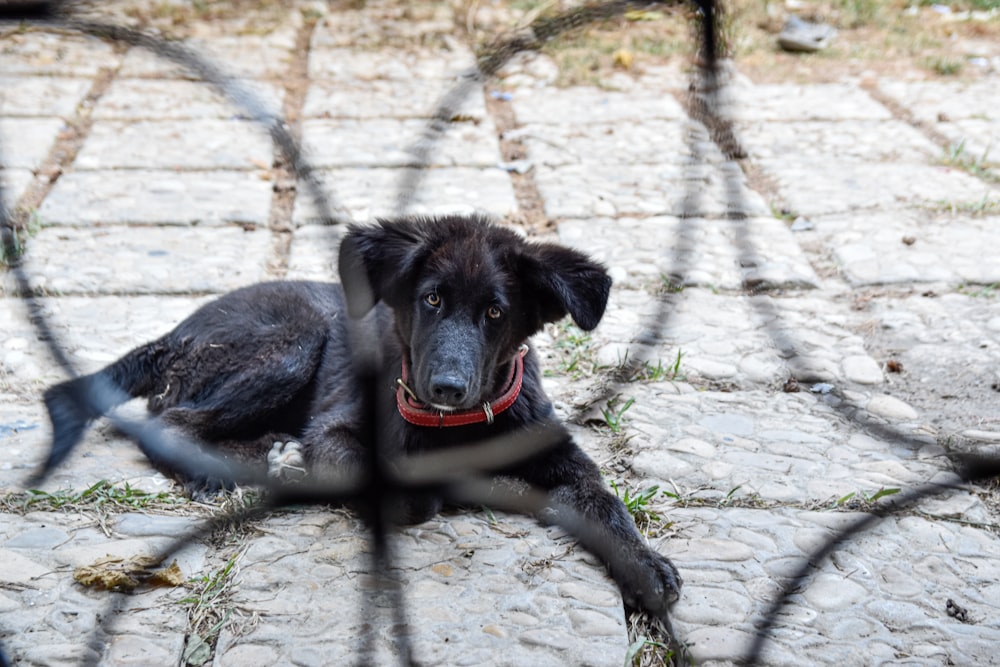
[896,37]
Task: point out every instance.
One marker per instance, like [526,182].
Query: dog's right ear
[377,260]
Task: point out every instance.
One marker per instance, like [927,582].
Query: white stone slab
[158,197]
[55,54]
[870,248]
[710,253]
[821,187]
[14,182]
[252,56]
[582,105]
[937,101]
[146,260]
[386,98]
[136,99]
[25,142]
[578,191]
[390,143]
[369,193]
[643,142]
[313,255]
[869,140]
[794,102]
[341,64]
[173,144]
[40,96]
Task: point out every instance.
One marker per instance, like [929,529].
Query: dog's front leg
[648,580]
[580,502]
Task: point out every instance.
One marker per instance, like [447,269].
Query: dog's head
[466,294]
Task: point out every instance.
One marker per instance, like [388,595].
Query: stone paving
[863,238]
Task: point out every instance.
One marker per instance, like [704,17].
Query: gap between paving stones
[283,174]
[64,151]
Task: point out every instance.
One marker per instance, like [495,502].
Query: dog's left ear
[375,262]
[565,281]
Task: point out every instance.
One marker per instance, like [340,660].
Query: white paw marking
[285,461]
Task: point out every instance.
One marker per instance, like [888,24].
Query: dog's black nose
[449,389]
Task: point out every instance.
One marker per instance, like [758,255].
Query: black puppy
[447,305]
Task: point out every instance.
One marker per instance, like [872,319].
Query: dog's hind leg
[205,466]
[73,404]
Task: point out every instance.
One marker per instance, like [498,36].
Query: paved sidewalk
[862,244]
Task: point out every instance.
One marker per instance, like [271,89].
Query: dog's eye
[494,312]
[433,299]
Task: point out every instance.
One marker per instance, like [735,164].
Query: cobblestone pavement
[863,242]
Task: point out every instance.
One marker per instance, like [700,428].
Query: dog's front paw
[285,462]
[650,582]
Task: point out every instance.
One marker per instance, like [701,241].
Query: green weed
[614,415]
[575,349]
[957,156]
[13,236]
[862,501]
[637,504]
[981,291]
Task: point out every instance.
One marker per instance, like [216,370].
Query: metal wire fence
[461,476]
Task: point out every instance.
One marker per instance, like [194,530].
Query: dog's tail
[73,404]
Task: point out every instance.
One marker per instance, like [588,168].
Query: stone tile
[154,623]
[140,99]
[585,105]
[438,66]
[974,140]
[942,248]
[813,188]
[25,142]
[869,140]
[640,252]
[580,191]
[313,255]
[369,193]
[642,142]
[40,95]
[55,54]
[14,182]
[795,102]
[851,607]
[942,101]
[93,331]
[388,143]
[381,98]
[99,456]
[461,579]
[250,56]
[174,144]
[157,197]
[146,260]
[782,447]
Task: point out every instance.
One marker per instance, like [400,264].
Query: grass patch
[103,497]
[210,609]
[861,501]
[990,291]
[575,349]
[649,372]
[982,207]
[958,156]
[13,237]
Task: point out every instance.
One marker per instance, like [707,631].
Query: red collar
[421,414]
